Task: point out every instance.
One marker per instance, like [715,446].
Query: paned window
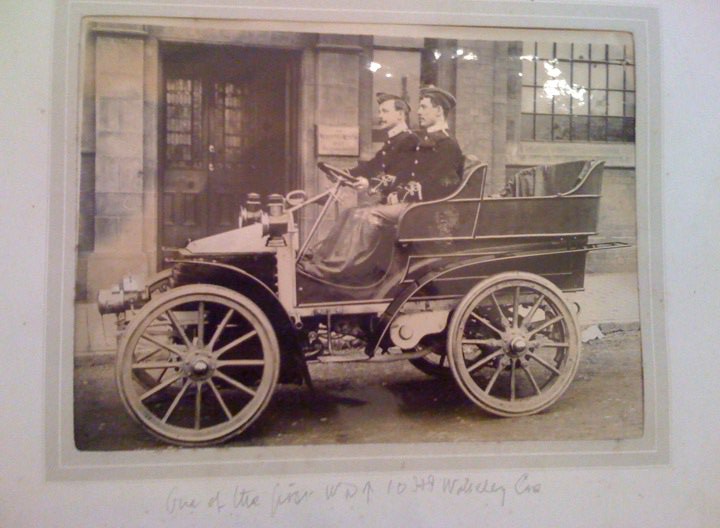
[578,92]
[229,98]
[184,123]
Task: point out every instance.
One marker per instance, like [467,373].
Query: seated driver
[388,171]
[359,247]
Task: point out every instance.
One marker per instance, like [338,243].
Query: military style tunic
[359,247]
[438,164]
[396,157]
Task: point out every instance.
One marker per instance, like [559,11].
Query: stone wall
[337,103]
[616,222]
[119,189]
[86,207]
[119,174]
[481,116]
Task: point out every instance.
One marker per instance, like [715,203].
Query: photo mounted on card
[340,246]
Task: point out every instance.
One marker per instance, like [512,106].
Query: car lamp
[251,212]
[277,220]
[128,294]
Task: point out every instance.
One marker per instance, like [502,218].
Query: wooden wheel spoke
[513,344]
[503,317]
[544,363]
[234,343]
[148,365]
[494,378]
[512,381]
[198,364]
[235,383]
[201,324]
[495,343]
[160,376]
[484,361]
[149,355]
[175,402]
[160,387]
[220,400]
[198,405]
[164,346]
[545,325]
[220,328]
[179,328]
[241,363]
[485,322]
[531,378]
[516,307]
[528,316]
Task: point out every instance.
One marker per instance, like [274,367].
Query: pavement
[610,302]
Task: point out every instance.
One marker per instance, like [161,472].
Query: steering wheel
[338,174]
[294,198]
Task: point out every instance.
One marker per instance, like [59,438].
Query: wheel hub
[200,366]
[518,345]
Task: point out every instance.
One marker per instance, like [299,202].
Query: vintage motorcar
[472,288]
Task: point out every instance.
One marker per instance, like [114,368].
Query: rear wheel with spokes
[513,344]
[198,364]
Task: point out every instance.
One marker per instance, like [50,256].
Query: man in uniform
[392,164]
[439,160]
[411,168]
[348,254]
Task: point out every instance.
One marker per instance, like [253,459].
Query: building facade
[180,122]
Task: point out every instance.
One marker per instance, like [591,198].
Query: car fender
[294,368]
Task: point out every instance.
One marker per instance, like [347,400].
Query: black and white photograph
[285,263]
[343,236]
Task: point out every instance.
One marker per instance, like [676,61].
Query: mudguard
[414,286]
[189,271]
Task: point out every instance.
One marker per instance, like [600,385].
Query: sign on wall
[338,140]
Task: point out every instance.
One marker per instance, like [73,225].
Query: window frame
[598,126]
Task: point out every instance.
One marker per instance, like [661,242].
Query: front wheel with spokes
[513,344]
[198,364]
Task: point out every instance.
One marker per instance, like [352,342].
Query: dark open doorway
[228,126]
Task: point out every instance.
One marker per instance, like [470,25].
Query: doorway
[227,127]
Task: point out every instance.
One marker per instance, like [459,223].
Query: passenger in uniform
[347,255]
[410,168]
[439,159]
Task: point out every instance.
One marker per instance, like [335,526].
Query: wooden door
[227,130]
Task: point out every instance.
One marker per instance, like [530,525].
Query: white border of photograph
[64,461]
